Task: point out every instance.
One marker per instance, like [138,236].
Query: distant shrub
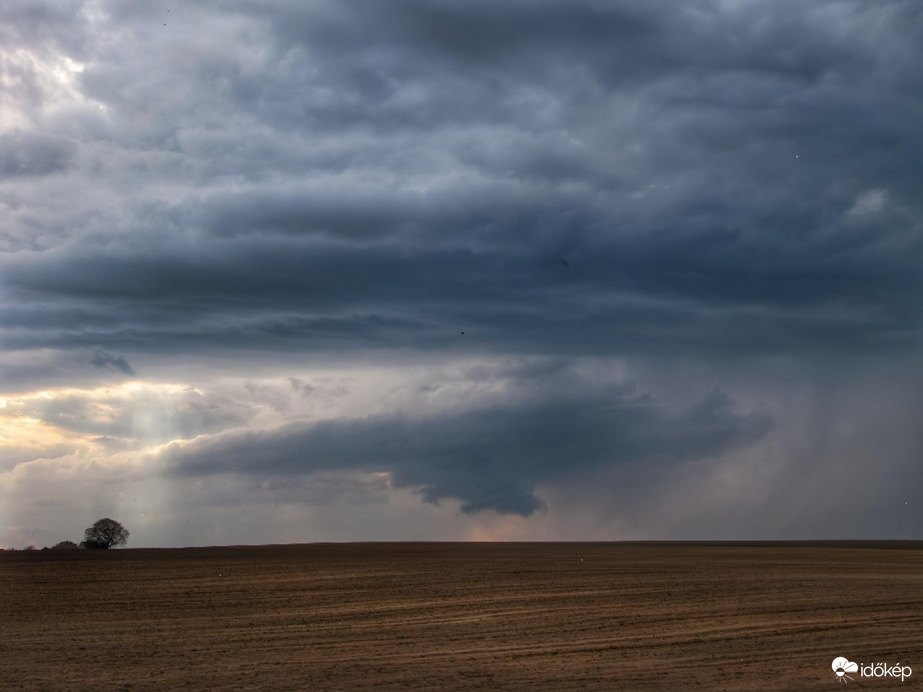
[64,545]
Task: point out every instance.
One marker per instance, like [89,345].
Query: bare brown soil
[460,616]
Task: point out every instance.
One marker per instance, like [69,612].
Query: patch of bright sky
[25,74]
[91,418]
[869,202]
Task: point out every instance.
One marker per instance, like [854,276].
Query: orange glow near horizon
[21,425]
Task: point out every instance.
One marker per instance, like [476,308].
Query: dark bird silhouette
[565,263]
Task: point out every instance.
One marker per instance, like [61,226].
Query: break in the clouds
[494,255]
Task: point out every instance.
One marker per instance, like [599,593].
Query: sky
[293,271]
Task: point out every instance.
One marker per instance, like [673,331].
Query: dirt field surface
[461,616]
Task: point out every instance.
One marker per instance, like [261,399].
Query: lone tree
[106,533]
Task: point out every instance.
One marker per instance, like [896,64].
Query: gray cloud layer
[345,175]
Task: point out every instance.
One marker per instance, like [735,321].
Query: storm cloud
[487,458]
[102,359]
[389,173]
[706,196]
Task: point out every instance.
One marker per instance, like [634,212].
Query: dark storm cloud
[637,295]
[690,194]
[653,146]
[487,458]
[102,359]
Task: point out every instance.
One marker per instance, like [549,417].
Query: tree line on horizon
[104,534]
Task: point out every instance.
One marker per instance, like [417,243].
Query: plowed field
[460,616]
